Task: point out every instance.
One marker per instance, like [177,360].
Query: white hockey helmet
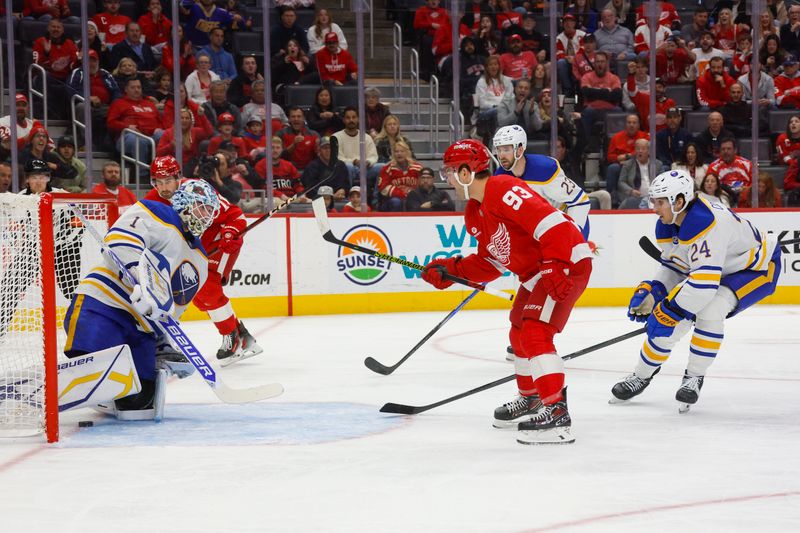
[197,203]
[670,185]
[513,135]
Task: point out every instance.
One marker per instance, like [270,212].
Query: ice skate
[141,406]
[509,353]
[237,345]
[551,425]
[173,361]
[631,386]
[689,392]
[521,408]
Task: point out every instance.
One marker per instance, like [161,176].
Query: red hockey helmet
[165,166]
[467,152]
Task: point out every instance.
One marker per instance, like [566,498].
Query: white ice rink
[322,458]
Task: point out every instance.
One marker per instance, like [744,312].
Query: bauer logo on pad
[364,269]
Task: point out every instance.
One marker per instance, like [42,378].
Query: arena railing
[413,69]
[434,103]
[33,92]
[76,99]
[136,159]
[397,58]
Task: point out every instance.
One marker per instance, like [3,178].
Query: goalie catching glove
[647,294]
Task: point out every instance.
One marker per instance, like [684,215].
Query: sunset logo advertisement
[364,269]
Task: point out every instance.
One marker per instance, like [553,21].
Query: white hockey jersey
[711,242]
[543,174]
[157,227]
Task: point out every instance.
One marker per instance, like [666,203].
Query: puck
[85,424]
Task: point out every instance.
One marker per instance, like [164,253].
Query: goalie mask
[197,203]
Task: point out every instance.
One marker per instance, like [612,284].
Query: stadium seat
[248,42]
[301,95]
[75,8]
[73,31]
[779,118]
[615,122]
[696,121]
[346,95]
[746,149]
[129,9]
[30,30]
[538,147]
[682,94]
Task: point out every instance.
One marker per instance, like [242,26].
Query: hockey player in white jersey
[107,311]
[543,174]
[714,264]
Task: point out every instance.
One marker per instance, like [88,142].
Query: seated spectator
[673,60]
[584,59]
[532,40]
[791,183]
[703,54]
[398,178]
[96,44]
[634,178]
[225,125]
[191,137]
[568,42]
[155,26]
[320,169]
[374,111]
[323,25]
[218,104]
[738,114]
[641,101]
[240,89]
[353,204]
[788,144]
[323,117]
[300,142]
[285,178]
[585,15]
[475,9]
[137,113]
[287,28]
[185,55]
[5,176]
[203,16]
[426,197]
[518,110]
[24,124]
[223,179]
[293,68]
[691,162]
[65,151]
[254,139]
[125,70]
[222,63]
[471,64]
[237,7]
[622,148]
[488,37]
[326,193]
[623,12]
[336,66]
[787,85]
[668,15]
[765,91]
[103,90]
[743,56]
[132,47]
[349,151]
[713,87]
[490,90]
[725,31]
[602,92]
[542,119]
[767,23]
[161,88]
[671,141]
[790,32]
[516,63]
[768,194]
[614,39]
[732,169]
[112,184]
[639,71]
[713,191]
[709,139]
[442,48]
[387,137]
[45,10]
[257,107]
[110,24]
[506,16]
[198,83]
[56,54]
[641,37]
[200,120]
[427,20]
[771,55]
[694,31]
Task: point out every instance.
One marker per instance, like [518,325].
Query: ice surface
[321,457]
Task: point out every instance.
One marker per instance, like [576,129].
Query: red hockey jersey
[397,182]
[111,26]
[58,61]
[786,148]
[516,230]
[335,67]
[787,91]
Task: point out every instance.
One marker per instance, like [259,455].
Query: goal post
[44,253]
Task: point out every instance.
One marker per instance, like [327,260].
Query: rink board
[286,268]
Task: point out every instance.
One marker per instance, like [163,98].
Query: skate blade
[615,401]
[684,407]
[509,424]
[106,409]
[239,357]
[547,436]
[137,415]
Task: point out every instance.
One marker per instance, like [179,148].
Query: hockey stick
[376,366]
[653,251]
[321,214]
[183,344]
[331,164]
[398,408]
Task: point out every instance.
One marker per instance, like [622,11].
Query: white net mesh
[22,375]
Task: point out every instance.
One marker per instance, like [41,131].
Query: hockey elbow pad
[644,299]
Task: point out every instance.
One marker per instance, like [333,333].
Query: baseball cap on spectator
[66,140]
[325,191]
[93,54]
[36,130]
[354,188]
[252,117]
[21,98]
[789,61]
[324,141]
[568,16]
[529,15]
[226,118]
[331,37]
[427,171]
[515,37]
[673,112]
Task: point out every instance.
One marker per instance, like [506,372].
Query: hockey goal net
[44,253]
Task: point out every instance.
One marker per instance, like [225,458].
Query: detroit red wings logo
[500,245]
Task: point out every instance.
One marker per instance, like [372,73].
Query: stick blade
[321,215]
[399,409]
[377,367]
[254,394]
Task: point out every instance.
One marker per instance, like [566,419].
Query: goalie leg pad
[97,377]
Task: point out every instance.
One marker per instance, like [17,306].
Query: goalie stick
[379,368]
[332,165]
[654,252]
[401,409]
[321,214]
[181,342]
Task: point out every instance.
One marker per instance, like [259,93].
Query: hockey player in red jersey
[224,234]
[519,231]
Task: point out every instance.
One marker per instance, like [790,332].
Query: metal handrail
[372,30]
[397,57]
[137,162]
[76,98]
[434,103]
[33,92]
[415,89]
